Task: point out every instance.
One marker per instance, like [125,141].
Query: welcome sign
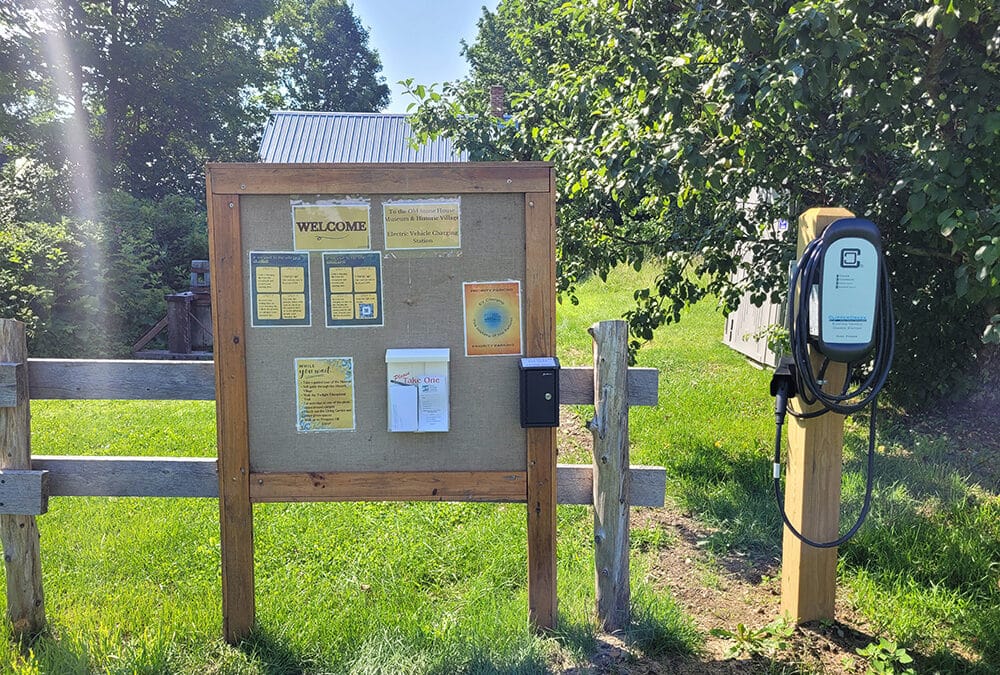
[332,226]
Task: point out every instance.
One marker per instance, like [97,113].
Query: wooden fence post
[19,533]
[611,474]
[812,482]
[179,322]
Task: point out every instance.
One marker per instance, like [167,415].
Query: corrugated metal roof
[305,137]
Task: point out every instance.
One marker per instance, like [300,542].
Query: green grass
[714,424]
[924,569]
[133,586]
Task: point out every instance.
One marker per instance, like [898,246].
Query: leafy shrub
[175,227]
[32,191]
[37,275]
[91,288]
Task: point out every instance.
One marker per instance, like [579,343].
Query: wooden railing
[27,482]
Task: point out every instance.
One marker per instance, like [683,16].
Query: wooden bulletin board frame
[240,487]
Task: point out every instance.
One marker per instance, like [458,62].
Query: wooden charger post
[812,483]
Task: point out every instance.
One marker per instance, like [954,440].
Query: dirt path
[720,593]
[723,593]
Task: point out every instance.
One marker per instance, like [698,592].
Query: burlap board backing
[422,304]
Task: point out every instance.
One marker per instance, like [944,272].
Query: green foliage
[36,275]
[764,641]
[991,335]
[118,269]
[775,336]
[884,656]
[31,191]
[91,288]
[175,227]
[137,96]
[686,133]
[321,59]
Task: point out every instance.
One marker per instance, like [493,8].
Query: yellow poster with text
[422,224]
[332,227]
[324,393]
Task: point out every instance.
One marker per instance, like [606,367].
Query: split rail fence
[27,482]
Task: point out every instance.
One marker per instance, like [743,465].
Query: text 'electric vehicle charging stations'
[839,301]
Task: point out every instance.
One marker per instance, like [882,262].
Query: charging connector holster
[784,378]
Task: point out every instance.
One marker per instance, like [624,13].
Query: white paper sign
[403,415]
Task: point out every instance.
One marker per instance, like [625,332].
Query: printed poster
[332,226]
[492,318]
[324,394]
[422,224]
[279,289]
[353,284]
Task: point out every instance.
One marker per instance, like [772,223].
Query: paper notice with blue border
[353,285]
[279,289]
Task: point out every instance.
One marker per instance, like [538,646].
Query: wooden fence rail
[94,476]
[82,379]
[82,476]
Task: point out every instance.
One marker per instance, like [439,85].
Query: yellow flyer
[279,289]
[422,224]
[492,318]
[331,226]
[353,288]
[324,394]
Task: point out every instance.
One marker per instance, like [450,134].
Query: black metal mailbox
[539,379]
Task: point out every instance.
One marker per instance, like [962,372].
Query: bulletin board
[315,275]
[420,306]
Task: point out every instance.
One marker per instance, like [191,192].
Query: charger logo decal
[850,257]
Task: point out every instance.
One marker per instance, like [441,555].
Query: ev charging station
[851,263]
[841,332]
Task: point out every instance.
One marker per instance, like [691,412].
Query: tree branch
[927,253]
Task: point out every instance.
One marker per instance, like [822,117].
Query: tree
[142,92]
[322,60]
[90,287]
[137,95]
[684,133]
[109,110]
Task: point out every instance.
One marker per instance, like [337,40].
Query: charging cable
[795,376]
